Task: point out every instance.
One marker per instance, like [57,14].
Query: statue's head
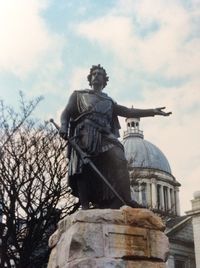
[101,70]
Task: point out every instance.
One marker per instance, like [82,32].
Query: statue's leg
[83,192]
[121,176]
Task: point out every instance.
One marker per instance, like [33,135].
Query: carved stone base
[108,238]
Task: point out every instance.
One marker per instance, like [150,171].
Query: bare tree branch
[33,187]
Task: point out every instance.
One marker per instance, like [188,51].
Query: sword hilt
[54,123]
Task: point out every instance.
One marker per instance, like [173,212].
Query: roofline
[174,182]
[178,225]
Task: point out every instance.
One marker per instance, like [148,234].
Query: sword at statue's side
[86,160]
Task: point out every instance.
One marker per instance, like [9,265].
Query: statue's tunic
[91,119]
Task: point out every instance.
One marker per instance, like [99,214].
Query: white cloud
[113,33]
[25,39]
[169,48]
[78,79]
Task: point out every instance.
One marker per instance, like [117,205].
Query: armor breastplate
[99,104]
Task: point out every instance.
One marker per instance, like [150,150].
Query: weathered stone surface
[109,238]
[80,241]
[99,216]
[92,216]
[125,241]
[159,245]
[143,218]
[53,258]
[53,240]
[124,215]
[113,263]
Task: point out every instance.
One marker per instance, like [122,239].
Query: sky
[149,48]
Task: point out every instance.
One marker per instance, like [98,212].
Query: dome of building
[151,179]
[141,153]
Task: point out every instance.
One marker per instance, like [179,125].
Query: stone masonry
[195,213]
[109,238]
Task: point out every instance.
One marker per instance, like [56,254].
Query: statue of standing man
[91,120]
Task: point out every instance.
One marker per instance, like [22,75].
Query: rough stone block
[53,258]
[113,263]
[159,245]
[125,241]
[109,238]
[53,240]
[99,216]
[80,241]
[142,218]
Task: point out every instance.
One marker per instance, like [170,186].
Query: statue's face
[97,78]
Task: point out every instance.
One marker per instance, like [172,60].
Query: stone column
[195,213]
[173,201]
[169,199]
[178,212]
[154,194]
[140,193]
[162,197]
[109,238]
[148,194]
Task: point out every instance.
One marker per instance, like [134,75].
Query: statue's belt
[102,129]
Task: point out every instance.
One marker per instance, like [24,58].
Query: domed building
[154,186]
[152,182]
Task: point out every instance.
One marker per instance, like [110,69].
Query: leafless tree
[33,188]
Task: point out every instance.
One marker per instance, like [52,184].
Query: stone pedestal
[108,238]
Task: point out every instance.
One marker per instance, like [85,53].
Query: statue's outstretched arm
[132,112]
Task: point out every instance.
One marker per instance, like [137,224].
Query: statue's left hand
[159,111]
[63,134]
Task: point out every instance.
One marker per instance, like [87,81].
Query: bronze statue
[91,120]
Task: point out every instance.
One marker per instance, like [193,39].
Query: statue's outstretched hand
[159,111]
